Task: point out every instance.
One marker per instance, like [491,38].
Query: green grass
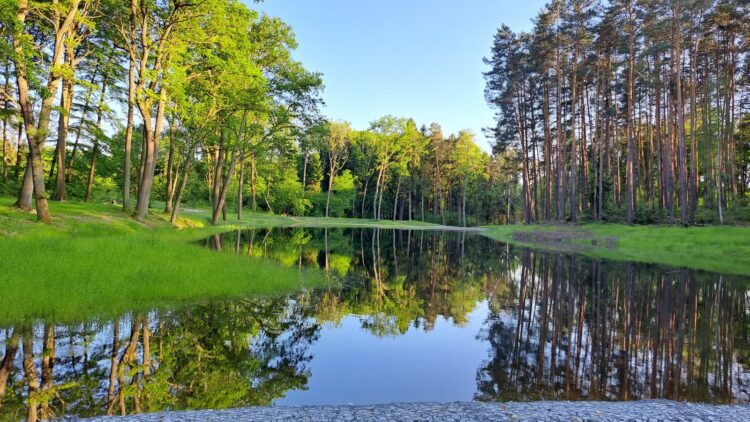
[95,260]
[250,219]
[724,249]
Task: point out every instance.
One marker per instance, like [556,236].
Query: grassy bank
[95,260]
[723,249]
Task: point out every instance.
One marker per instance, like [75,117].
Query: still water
[407,316]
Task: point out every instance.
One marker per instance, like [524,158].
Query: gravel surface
[653,410]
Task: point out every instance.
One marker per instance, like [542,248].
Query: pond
[406,316]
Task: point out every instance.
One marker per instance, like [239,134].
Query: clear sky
[410,58]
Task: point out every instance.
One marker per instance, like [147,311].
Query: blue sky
[410,58]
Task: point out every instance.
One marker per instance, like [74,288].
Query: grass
[724,249]
[250,219]
[94,260]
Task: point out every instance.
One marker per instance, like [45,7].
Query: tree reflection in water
[583,329]
[215,355]
[557,326]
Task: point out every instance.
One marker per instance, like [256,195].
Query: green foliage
[286,196]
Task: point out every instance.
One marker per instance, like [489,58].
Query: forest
[627,110]
[616,111]
[183,227]
[157,104]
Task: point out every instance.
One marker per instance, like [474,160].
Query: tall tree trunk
[560,174]
[217,174]
[6,140]
[224,188]
[331,175]
[242,186]
[151,140]
[573,147]
[36,134]
[66,103]
[95,149]
[19,150]
[677,75]
[547,151]
[395,198]
[693,129]
[668,163]
[131,115]
[186,167]
[170,172]
[253,195]
[658,131]
[79,129]
[630,167]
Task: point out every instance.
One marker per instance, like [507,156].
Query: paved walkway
[657,410]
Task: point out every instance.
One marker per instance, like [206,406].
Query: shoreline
[646,410]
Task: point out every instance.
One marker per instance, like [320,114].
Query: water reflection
[454,316]
[586,329]
[215,355]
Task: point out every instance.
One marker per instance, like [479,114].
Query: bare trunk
[181,190]
[331,175]
[128,135]
[693,138]
[254,199]
[224,189]
[170,172]
[66,102]
[395,199]
[152,139]
[26,193]
[95,149]
[573,147]
[682,150]
[630,165]
[242,186]
[5,124]
[19,150]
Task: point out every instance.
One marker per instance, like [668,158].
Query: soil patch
[568,240]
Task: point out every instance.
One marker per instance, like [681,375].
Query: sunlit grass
[724,249]
[96,261]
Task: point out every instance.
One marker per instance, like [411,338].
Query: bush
[706,216]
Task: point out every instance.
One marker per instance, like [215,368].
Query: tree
[337,147]
[64,18]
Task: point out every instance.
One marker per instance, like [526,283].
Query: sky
[409,58]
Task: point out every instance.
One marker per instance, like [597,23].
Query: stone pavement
[652,410]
